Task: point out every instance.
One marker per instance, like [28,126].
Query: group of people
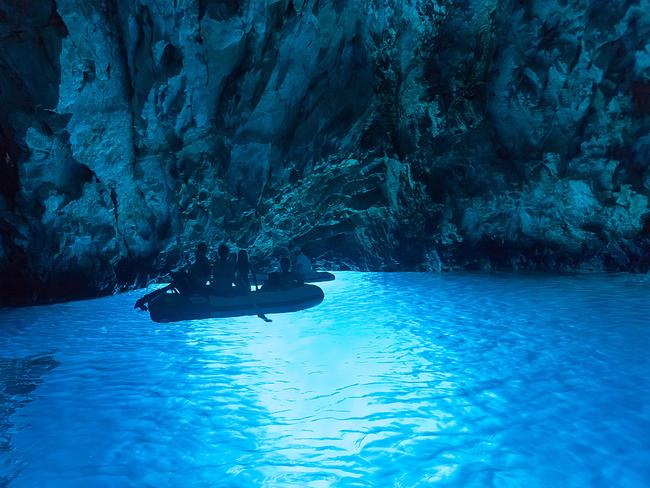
[228,276]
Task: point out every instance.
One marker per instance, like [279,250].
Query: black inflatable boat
[315,277]
[173,307]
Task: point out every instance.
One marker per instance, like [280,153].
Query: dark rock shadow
[19,378]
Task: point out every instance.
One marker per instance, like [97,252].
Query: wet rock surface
[427,135]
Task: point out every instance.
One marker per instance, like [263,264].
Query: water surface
[401,380]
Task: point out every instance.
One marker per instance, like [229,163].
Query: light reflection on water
[395,380]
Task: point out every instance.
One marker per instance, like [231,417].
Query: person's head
[297,250]
[242,259]
[285,264]
[201,250]
[223,251]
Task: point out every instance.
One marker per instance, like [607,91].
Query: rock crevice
[429,135]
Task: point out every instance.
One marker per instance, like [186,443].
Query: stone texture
[419,134]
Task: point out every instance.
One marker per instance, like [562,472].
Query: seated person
[193,278]
[302,266]
[282,280]
[200,270]
[190,279]
[223,272]
[242,270]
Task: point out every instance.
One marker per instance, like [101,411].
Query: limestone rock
[429,135]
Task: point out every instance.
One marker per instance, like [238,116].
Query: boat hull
[174,307]
[315,277]
[318,276]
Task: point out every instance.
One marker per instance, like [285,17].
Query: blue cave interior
[440,210]
[380,136]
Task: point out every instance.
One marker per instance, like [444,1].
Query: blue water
[396,380]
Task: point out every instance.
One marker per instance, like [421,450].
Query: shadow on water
[19,378]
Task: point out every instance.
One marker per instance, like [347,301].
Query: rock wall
[414,134]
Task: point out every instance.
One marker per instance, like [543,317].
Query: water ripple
[395,380]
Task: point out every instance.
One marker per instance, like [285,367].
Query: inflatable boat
[315,277]
[173,307]
[318,276]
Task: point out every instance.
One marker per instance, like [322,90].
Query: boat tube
[317,276]
[173,307]
[314,277]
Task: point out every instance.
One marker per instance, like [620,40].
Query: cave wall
[388,135]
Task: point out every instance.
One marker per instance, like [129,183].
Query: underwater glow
[395,380]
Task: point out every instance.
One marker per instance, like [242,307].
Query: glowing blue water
[395,380]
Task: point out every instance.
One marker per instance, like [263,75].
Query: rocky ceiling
[392,135]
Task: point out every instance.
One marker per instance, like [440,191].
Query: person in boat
[283,279]
[302,265]
[223,272]
[242,270]
[198,273]
[188,280]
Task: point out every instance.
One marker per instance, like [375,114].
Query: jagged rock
[427,135]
